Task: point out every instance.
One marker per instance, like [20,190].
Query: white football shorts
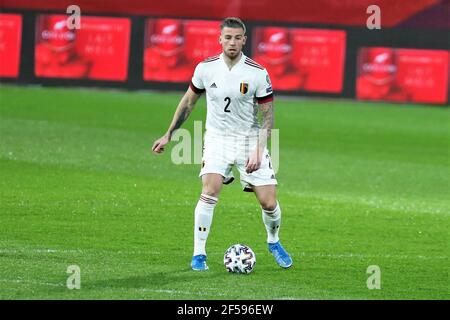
[221,153]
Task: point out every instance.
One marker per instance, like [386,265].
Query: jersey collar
[241,61]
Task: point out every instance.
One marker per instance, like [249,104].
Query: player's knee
[211,192]
[269,205]
[211,185]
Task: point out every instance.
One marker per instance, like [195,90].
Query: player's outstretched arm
[187,103]
[255,158]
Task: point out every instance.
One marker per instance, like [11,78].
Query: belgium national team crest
[244,87]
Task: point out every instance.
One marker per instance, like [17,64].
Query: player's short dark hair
[232,22]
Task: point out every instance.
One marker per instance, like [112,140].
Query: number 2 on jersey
[228,100]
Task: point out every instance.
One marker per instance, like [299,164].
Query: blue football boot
[198,263]
[283,258]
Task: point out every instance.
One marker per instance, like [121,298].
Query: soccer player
[236,89]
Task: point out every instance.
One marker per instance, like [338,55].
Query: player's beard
[232,55]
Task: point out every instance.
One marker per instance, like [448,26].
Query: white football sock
[272,221]
[203,218]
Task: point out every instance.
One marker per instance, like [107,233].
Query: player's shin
[272,221]
[203,217]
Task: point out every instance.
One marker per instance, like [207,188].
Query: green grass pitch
[360,184]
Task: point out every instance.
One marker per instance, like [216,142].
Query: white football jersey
[232,96]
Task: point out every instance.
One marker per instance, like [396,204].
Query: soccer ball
[239,258]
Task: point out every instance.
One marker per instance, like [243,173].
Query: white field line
[33,282]
[166,291]
[255,287]
[80,251]
[172,292]
[318,294]
[178,292]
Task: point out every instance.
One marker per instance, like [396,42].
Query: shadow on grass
[156,280]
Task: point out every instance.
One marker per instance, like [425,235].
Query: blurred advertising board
[10,42]
[402,75]
[173,47]
[301,59]
[99,50]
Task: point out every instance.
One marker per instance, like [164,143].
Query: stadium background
[361,182]
[335,33]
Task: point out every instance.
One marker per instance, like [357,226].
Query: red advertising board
[301,59]
[338,12]
[404,75]
[10,41]
[173,47]
[98,50]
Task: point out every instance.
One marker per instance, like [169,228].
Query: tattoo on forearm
[267,117]
[266,110]
[182,116]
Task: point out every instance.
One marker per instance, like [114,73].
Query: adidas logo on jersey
[213,85]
